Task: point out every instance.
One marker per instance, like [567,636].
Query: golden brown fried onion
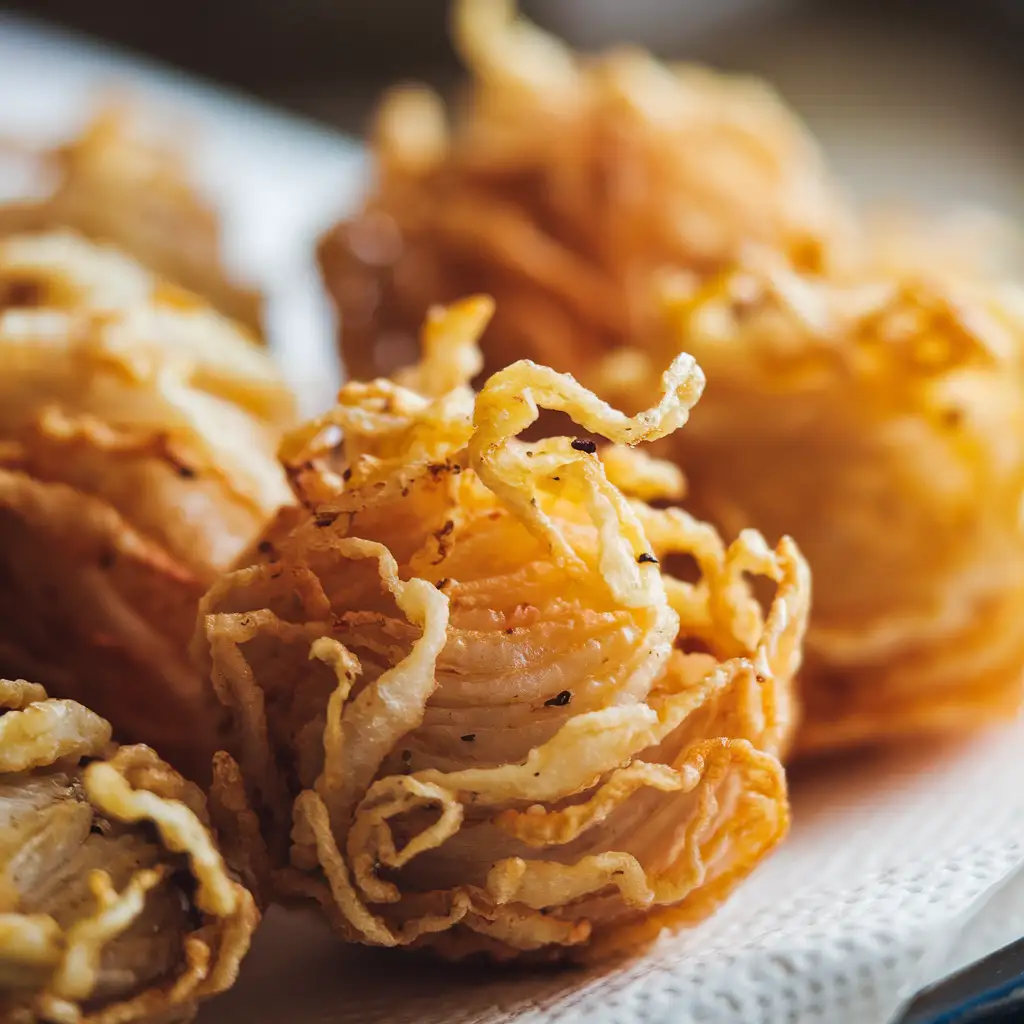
[565,184]
[471,711]
[116,186]
[137,447]
[115,904]
[882,423]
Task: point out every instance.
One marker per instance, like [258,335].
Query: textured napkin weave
[891,858]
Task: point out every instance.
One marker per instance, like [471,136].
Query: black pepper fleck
[347,474]
[325,519]
[265,547]
[441,584]
[559,700]
[469,737]
[584,446]
[406,756]
[186,472]
[647,557]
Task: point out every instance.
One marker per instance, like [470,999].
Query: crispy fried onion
[137,459]
[881,420]
[35,732]
[460,675]
[119,184]
[58,971]
[562,185]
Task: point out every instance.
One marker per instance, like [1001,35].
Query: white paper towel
[892,856]
[872,897]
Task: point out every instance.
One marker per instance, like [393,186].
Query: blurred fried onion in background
[138,431]
[564,185]
[115,904]
[116,185]
[881,423]
[471,711]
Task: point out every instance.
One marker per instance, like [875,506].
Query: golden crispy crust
[102,615]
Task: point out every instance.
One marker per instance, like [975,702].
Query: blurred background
[915,98]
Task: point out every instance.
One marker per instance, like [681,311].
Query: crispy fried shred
[138,460]
[36,732]
[565,183]
[118,186]
[65,970]
[471,709]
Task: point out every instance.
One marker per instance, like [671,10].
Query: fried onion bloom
[471,711]
[115,185]
[563,185]
[115,904]
[138,431]
[882,423]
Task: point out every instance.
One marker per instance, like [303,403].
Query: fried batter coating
[882,423]
[118,187]
[115,904]
[566,183]
[137,441]
[471,711]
